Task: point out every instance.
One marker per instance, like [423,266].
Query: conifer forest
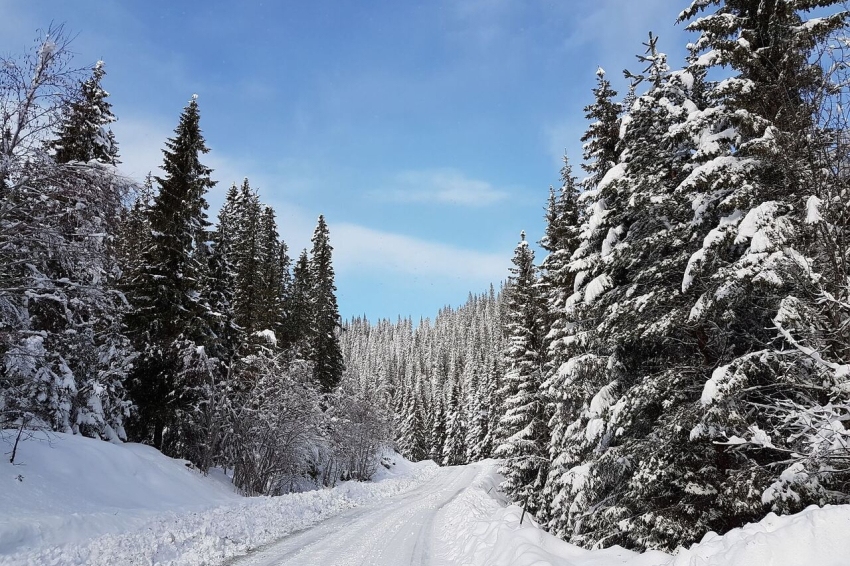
[674,359]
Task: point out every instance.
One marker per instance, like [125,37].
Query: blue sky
[427,133]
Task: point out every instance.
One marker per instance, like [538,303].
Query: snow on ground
[479,528]
[64,488]
[80,501]
[74,501]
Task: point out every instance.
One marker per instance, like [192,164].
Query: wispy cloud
[361,249]
[441,186]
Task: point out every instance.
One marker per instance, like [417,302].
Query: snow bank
[63,488]
[88,502]
[815,536]
[479,528]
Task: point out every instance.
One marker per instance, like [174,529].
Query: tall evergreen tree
[523,427]
[63,348]
[325,352]
[83,133]
[171,317]
[751,277]
[270,293]
[299,321]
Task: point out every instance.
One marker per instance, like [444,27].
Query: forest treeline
[679,361]
[126,315]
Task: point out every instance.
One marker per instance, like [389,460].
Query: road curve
[396,531]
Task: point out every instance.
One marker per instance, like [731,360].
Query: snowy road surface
[393,532]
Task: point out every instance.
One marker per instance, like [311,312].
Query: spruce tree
[171,317]
[247,260]
[454,448]
[63,346]
[750,279]
[83,134]
[299,321]
[270,293]
[523,427]
[325,350]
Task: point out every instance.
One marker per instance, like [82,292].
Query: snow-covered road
[392,532]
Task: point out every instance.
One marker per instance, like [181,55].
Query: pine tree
[83,134]
[577,362]
[454,448]
[270,290]
[246,258]
[523,428]
[561,240]
[437,436]
[638,333]
[749,280]
[325,352]
[171,318]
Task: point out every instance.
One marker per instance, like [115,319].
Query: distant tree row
[440,379]
[124,314]
[680,360]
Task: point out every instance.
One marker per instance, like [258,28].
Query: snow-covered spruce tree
[477,407]
[624,435]
[134,230]
[683,453]
[83,133]
[490,390]
[524,433]
[62,345]
[273,260]
[751,280]
[560,241]
[245,210]
[454,449]
[171,318]
[67,354]
[557,282]
[817,325]
[437,436]
[325,352]
[577,362]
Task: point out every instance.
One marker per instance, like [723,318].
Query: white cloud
[362,249]
[444,186]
